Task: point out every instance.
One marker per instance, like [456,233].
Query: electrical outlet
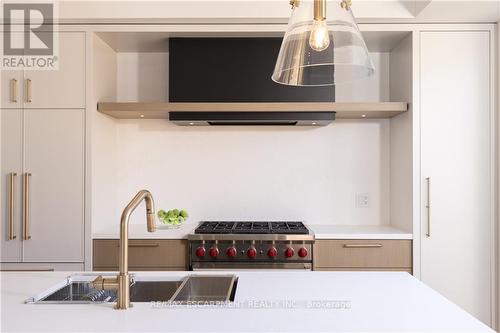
[362,200]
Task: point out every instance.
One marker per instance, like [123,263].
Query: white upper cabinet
[456,167]
[11,84]
[11,88]
[64,87]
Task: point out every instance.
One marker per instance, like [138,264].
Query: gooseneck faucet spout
[122,282]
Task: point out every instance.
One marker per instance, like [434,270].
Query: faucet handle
[101,283]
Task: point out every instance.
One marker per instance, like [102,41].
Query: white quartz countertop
[266,301]
[321,231]
[332,231]
[139,231]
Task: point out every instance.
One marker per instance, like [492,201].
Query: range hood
[246,118]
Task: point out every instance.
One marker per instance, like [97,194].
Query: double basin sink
[204,289]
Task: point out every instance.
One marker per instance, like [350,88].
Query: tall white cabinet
[457,170]
[43,163]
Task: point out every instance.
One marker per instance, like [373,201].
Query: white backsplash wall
[261,173]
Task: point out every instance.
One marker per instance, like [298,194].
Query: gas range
[251,244]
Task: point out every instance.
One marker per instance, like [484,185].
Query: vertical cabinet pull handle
[13,91]
[12,207]
[428,206]
[28,90]
[26,206]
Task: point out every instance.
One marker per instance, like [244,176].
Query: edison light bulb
[319,39]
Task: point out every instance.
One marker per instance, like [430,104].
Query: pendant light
[322,46]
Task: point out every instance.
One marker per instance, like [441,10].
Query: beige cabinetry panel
[11,86]
[64,87]
[144,254]
[43,144]
[457,167]
[11,82]
[11,171]
[54,161]
[363,255]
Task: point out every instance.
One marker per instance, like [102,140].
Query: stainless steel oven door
[198,266]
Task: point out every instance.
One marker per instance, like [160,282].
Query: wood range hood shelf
[160,110]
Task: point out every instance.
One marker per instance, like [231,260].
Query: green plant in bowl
[173,217]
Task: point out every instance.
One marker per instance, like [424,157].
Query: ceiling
[269,11]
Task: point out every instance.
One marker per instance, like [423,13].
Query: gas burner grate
[250,227]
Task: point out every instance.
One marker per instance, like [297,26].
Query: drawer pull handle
[360,246]
[142,245]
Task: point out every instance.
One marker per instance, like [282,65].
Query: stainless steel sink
[206,289]
[77,289]
[78,292]
[149,291]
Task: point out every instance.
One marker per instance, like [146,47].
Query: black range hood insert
[246,118]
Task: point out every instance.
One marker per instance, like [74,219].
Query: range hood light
[322,46]
[249,118]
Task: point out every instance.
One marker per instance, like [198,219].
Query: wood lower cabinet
[144,254]
[385,255]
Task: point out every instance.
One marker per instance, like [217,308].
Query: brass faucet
[122,281]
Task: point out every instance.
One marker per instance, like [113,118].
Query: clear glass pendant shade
[322,52]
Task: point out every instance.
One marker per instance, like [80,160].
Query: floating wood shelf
[344,110]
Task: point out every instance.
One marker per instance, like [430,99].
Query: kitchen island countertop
[265,301]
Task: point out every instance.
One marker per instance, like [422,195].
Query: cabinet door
[11,86]
[64,87]
[11,82]
[143,254]
[11,159]
[54,156]
[456,244]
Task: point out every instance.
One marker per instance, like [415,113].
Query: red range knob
[231,252]
[289,252]
[272,252]
[302,252]
[214,252]
[200,252]
[251,252]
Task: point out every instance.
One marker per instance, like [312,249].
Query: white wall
[301,173]
[293,173]
[142,77]
[372,89]
[103,147]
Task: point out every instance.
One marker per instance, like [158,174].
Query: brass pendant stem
[319,10]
